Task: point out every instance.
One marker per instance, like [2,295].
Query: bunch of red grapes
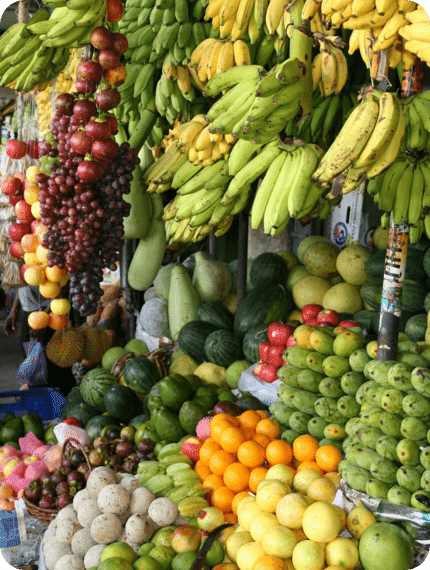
[81,199]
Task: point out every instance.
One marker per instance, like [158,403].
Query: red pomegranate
[104,150]
[90,171]
[108,99]
[101,38]
[89,70]
[84,109]
[98,129]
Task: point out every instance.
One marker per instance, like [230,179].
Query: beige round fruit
[243,502]
[248,554]
[247,513]
[279,541]
[291,258]
[350,264]
[308,555]
[294,275]
[380,237]
[308,242]
[290,510]
[282,473]
[358,520]
[343,298]
[342,552]
[60,306]
[342,516]
[303,478]
[234,542]
[310,291]
[30,259]
[35,210]
[38,319]
[320,259]
[321,490]
[34,275]
[269,493]
[321,522]
[42,254]
[49,290]
[261,524]
[31,173]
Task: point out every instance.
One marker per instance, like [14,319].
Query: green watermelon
[140,374]
[94,386]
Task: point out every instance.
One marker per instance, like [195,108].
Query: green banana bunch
[417,123]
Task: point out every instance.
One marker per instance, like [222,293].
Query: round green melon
[94,386]
[385,545]
[111,355]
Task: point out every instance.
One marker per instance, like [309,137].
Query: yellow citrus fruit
[279,541]
[42,254]
[358,520]
[60,306]
[31,173]
[269,563]
[303,478]
[234,542]
[34,275]
[269,493]
[342,516]
[290,510]
[246,513]
[31,194]
[342,552]
[308,555]
[321,490]
[321,522]
[35,210]
[260,525]
[282,472]
[30,259]
[248,554]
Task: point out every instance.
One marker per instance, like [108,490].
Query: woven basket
[45,514]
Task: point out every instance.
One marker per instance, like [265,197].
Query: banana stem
[301,47]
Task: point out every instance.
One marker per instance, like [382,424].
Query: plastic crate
[47,403]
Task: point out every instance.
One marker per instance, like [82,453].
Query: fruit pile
[90,177]
[237,453]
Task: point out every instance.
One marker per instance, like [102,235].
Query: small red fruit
[13,200]
[15,149]
[113,123]
[80,143]
[312,322]
[64,104]
[263,351]
[20,176]
[10,185]
[89,70]
[85,87]
[119,43]
[90,170]
[310,312]
[16,249]
[116,76]
[108,99]
[104,150]
[268,373]
[22,270]
[115,10]
[98,129]
[32,149]
[101,38]
[328,316]
[18,231]
[278,333]
[347,324]
[191,447]
[34,225]
[325,325]
[84,109]
[23,212]
[274,354]
[291,341]
[108,58]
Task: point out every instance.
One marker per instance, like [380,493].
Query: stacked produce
[329,68]
[415,33]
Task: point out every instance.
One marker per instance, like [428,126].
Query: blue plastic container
[47,403]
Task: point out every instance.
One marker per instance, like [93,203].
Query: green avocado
[190,414]
[175,390]
[33,423]
[12,430]
[206,397]
[194,380]
[167,425]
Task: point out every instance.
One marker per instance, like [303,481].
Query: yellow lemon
[234,542]
[342,552]
[281,472]
[321,522]
[308,555]
[269,493]
[290,510]
[358,520]
[260,525]
[279,541]
[247,513]
[248,554]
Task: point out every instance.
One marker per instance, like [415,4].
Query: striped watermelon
[94,385]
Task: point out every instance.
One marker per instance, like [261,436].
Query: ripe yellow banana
[274,14]
[198,52]
[213,9]
[228,10]
[225,57]
[211,63]
[241,53]
[183,78]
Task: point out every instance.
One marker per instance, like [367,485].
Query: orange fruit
[251,454]
[49,289]
[213,482]
[221,498]
[248,433]
[310,465]
[231,438]
[207,450]
[237,498]
[279,451]
[268,427]
[236,477]
[230,518]
[263,440]
[55,273]
[263,414]
[249,419]
[58,322]
[219,461]
[267,562]
[218,429]
[202,470]
[224,418]
[256,476]
[305,447]
[328,458]
[38,319]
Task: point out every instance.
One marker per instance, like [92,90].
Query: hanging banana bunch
[329,69]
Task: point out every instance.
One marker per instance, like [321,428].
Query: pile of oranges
[236,457]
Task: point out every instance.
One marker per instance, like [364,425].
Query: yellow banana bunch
[329,69]
[416,33]
[213,56]
[208,147]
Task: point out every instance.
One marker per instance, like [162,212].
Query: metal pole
[242,256]
[126,257]
[392,291]
[213,246]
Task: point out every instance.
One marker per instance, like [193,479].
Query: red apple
[268,373]
[325,325]
[34,225]
[310,312]
[328,316]
[10,185]
[263,351]
[291,341]
[348,324]
[17,231]
[312,322]
[13,200]
[22,270]
[278,333]
[274,354]
[16,249]
[23,211]
[20,176]
[15,149]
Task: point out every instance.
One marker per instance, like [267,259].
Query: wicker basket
[45,514]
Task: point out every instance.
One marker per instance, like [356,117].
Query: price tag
[12,528]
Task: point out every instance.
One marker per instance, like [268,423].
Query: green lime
[215,555]
[145,549]
[50,435]
[146,563]
[115,563]
[184,560]
[119,549]
[164,555]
